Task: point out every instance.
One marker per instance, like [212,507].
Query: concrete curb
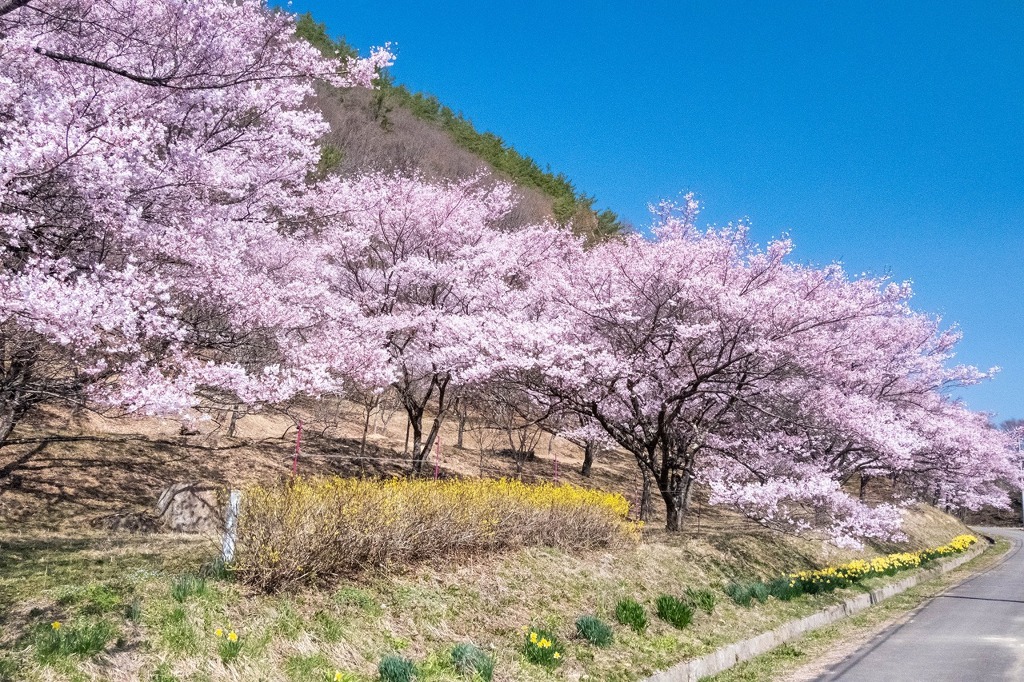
[728,656]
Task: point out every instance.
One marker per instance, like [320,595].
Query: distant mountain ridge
[394,128]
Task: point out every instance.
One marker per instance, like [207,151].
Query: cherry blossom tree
[710,359]
[153,176]
[432,275]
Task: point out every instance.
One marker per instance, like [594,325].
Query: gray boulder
[191,508]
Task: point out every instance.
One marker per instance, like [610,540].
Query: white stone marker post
[231,525]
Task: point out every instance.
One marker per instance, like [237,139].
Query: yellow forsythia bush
[309,530]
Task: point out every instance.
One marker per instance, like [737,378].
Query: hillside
[74,478]
[394,128]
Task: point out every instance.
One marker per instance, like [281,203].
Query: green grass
[177,633]
[702,599]
[304,667]
[187,586]
[59,640]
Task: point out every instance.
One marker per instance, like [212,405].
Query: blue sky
[887,136]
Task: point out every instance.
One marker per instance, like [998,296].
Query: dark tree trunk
[462,430]
[408,426]
[675,487]
[646,508]
[8,420]
[421,449]
[588,458]
[366,432]
[233,421]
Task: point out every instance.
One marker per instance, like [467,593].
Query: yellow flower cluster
[542,650]
[832,577]
[232,636]
[542,643]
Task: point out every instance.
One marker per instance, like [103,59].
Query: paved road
[972,633]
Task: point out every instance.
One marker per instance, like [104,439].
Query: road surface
[972,633]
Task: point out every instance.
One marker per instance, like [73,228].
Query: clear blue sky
[888,136]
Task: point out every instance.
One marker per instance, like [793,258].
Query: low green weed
[92,599]
[57,640]
[163,673]
[471,661]
[675,612]
[785,588]
[10,668]
[186,586]
[631,613]
[177,632]
[329,628]
[359,598]
[300,667]
[594,630]
[702,599]
[396,669]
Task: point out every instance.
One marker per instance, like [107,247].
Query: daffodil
[55,625]
[232,637]
[218,633]
[557,655]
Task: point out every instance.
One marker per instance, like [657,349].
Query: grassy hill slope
[59,562]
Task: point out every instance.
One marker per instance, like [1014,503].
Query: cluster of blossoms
[166,244]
